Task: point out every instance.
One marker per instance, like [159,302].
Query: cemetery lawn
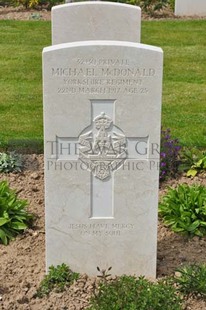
[21,80]
[184,86]
[184,79]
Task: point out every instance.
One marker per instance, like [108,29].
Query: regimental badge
[102,149]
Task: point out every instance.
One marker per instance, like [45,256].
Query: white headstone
[83,21]
[102,103]
[190,7]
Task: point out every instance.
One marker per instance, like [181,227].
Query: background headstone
[190,7]
[83,21]
[102,103]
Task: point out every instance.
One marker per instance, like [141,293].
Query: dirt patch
[20,13]
[10,13]
[23,260]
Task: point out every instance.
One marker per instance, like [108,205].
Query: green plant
[35,16]
[193,161]
[188,157]
[51,3]
[13,216]
[199,166]
[26,3]
[150,6]
[104,274]
[191,279]
[131,293]
[184,209]
[172,4]
[36,3]
[11,162]
[57,279]
[132,2]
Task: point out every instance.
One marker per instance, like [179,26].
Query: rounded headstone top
[95,20]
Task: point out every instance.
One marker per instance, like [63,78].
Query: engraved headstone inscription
[190,7]
[102,107]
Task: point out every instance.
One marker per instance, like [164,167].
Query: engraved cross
[103,148]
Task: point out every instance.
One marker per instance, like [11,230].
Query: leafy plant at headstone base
[6,3]
[132,2]
[104,274]
[14,218]
[169,155]
[197,167]
[11,162]
[35,16]
[36,3]
[184,209]
[191,280]
[172,4]
[131,293]
[57,279]
[25,3]
[49,4]
[150,6]
[193,161]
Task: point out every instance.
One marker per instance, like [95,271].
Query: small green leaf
[191,173]
[18,225]
[178,229]
[3,237]
[199,163]
[3,221]
[194,225]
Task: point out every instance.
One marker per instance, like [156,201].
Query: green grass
[184,86]
[21,82]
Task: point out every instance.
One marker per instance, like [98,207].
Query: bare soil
[11,13]
[23,260]
[20,13]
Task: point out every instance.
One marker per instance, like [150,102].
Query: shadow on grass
[23,146]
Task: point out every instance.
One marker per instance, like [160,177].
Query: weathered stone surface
[102,103]
[190,7]
[83,21]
